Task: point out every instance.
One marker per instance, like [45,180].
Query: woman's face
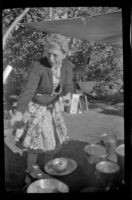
[55,56]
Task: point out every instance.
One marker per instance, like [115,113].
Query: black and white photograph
[63,100]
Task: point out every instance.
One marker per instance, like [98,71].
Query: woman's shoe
[27,180]
[29,176]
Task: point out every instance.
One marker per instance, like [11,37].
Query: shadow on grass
[108,108]
[118,112]
[83,176]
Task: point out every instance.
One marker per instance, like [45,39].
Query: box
[74,104]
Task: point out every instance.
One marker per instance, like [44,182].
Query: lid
[107,167]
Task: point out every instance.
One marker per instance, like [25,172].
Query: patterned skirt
[44,128]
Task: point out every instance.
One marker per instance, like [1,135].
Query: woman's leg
[31,160]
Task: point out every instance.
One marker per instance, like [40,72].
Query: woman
[39,106]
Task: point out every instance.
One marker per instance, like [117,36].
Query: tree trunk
[10,29]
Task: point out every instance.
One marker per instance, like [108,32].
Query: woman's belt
[44,99]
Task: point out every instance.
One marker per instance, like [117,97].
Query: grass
[103,116]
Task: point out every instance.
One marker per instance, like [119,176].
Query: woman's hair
[57,41]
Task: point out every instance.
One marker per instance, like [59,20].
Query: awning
[106,28]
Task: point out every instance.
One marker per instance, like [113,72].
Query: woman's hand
[16,118]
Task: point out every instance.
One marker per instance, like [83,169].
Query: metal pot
[110,143]
[108,174]
[120,157]
[95,153]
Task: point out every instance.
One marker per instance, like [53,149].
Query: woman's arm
[29,90]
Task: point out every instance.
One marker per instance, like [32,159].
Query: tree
[12,26]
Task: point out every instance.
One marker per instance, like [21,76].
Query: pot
[108,174]
[120,157]
[95,153]
[110,143]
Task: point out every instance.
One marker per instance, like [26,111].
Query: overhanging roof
[106,28]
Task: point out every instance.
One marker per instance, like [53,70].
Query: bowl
[48,186]
[95,153]
[57,168]
[60,164]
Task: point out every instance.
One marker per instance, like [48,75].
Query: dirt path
[101,118]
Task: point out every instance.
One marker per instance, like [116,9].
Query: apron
[45,127]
